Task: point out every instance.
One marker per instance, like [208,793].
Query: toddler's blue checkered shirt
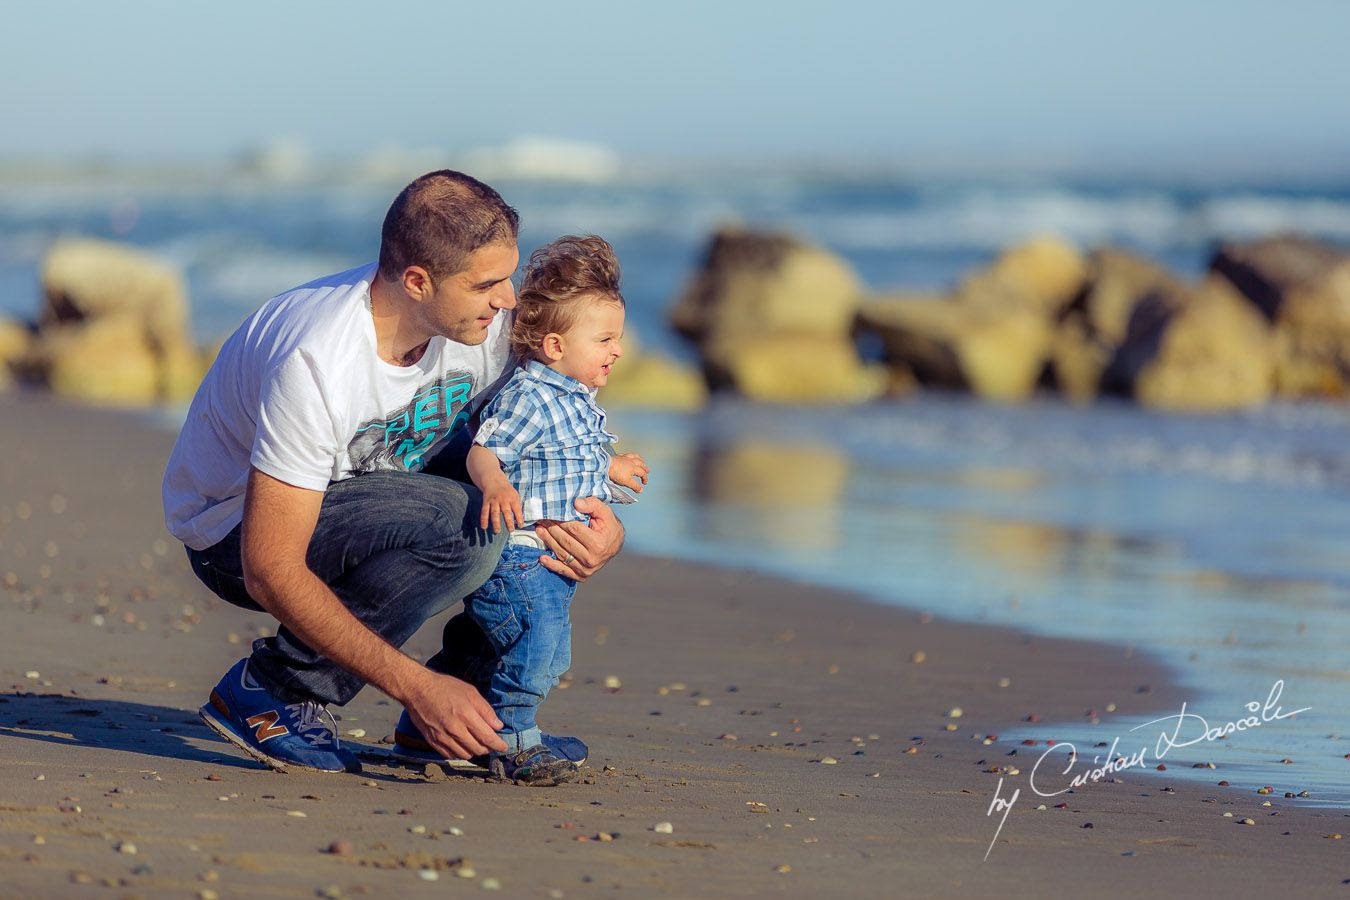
[550,436]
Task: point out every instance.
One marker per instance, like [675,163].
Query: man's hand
[582,548]
[629,470]
[453,717]
[501,506]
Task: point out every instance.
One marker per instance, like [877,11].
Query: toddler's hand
[501,507]
[629,470]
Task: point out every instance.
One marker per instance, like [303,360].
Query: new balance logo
[265,725]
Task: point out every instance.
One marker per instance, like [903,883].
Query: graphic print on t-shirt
[404,438]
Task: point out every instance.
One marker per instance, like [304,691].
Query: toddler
[541,446]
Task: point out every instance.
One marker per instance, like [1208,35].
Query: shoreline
[125,644]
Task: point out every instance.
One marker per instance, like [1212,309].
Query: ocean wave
[992,219]
[1247,216]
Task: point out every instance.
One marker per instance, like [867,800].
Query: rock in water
[753,283]
[1199,349]
[1088,334]
[1043,275]
[113,326]
[87,279]
[105,360]
[1303,288]
[997,352]
[773,319]
[14,341]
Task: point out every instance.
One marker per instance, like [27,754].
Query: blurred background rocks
[774,319]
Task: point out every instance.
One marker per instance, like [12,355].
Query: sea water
[1215,543]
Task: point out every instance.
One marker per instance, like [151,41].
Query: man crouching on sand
[320,477]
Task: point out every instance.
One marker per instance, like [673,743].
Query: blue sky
[844,81]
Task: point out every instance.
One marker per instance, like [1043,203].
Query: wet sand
[784,733]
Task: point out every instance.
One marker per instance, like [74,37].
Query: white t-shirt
[300,392]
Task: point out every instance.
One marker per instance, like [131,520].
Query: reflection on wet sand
[788,496]
[1042,551]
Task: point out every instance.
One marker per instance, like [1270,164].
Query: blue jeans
[397,548]
[524,610]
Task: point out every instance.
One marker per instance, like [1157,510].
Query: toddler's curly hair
[557,279]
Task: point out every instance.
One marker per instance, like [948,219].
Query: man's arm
[583,548]
[279,520]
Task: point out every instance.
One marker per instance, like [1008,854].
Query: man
[309,482]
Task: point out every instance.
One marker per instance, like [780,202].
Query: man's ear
[552,345]
[417,283]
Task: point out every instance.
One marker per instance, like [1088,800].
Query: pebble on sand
[491,884]
[1247,822]
[956,713]
[783,869]
[663,828]
[297,814]
[918,657]
[828,761]
[341,848]
[127,848]
[428,875]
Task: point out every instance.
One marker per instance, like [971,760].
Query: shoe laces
[310,725]
[538,755]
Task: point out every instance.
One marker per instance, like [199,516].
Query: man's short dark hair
[439,220]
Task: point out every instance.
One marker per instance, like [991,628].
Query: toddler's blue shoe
[411,747]
[275,733]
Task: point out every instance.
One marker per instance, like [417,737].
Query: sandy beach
[785,734]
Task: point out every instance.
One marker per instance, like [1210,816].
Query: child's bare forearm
[484,467]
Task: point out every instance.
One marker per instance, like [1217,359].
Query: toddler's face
[591,346]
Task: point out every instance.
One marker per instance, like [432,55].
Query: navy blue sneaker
[411,747]
[534,766]
[272,732]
